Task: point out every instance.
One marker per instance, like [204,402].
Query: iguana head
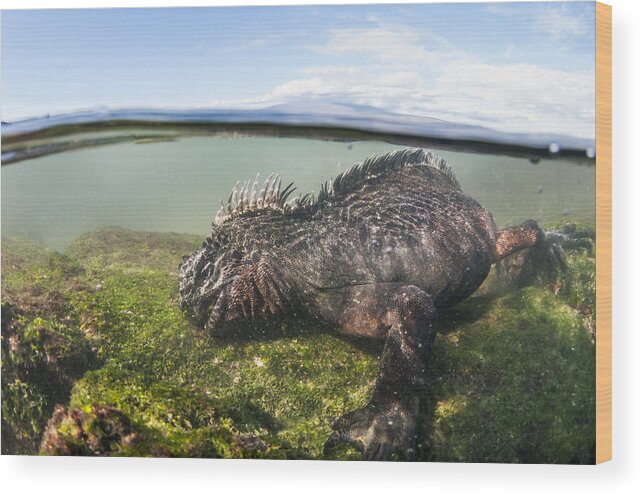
[204,277]
[223,281]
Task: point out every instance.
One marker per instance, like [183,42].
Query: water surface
[176,185]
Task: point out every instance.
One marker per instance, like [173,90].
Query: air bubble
[590,152]
[554,148]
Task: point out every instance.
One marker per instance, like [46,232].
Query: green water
[176,185]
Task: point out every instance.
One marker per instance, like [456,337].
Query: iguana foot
[378,431]
[567,238]
[552,252]
[546,259]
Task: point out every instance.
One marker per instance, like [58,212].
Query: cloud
[251,44]
[396,71]
[561,22]
[518,97]
[508,51]
[392,44]
[357,82]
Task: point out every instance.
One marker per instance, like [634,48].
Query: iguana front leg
[405,317]
[527,253]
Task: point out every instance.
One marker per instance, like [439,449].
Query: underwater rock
[100,432]
[44,352]
[115,247]
[513,382]
[42,357]
[512,378]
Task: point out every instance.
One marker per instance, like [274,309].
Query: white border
[96,477]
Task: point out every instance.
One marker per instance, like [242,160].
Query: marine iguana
[376,253]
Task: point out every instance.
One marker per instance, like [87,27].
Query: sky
[524,67]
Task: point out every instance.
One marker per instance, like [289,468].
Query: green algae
[511,378]
[515,386]
[44,351]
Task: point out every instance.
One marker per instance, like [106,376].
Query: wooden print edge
[603,232]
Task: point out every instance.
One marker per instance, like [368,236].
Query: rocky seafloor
[97,359]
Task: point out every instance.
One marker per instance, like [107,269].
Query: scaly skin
[374,255]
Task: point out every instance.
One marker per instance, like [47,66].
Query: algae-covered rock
[44,350]
[515,386]
[512,375]
[118,247]
[101,431]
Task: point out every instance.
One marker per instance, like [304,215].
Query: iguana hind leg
[405,316]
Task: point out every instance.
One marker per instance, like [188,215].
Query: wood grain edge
[603,232]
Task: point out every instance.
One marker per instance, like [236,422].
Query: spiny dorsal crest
[245,198]
[377,165]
